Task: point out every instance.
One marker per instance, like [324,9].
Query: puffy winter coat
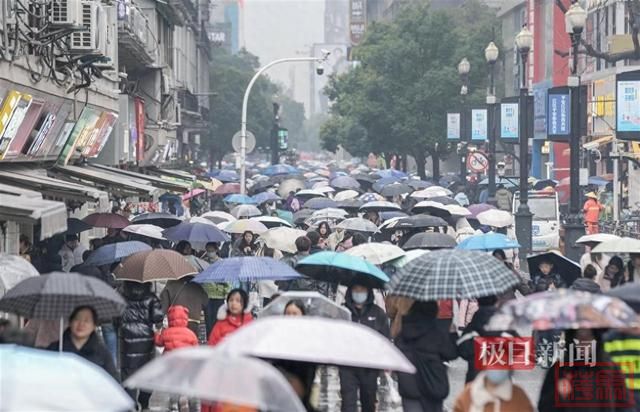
[370,315]
[226,326]
[177,335]
[136,325]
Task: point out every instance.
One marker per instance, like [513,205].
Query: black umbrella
[430,240]
[318,203]
[443,200]
[301,215]
[352,206]
[419,184]
[541,184]
[163,220]
[75,226]
[421,221]
[565,267]
[365,181]
[629,293]
[395,189]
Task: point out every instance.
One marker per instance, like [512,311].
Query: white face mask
[498,376]
[212,255]
[359,297]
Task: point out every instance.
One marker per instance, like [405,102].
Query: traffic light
[283,138]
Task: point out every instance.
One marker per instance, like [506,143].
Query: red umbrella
[107,220]
[192,193]
[228,188]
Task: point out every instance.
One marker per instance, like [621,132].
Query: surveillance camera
[320,70]
[325,53]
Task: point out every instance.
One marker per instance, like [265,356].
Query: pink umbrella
[228,188]
[107,220]
[193,193]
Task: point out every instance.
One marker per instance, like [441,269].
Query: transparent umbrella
[315,304]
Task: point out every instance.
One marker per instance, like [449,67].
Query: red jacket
[226,326]
[445,309]
[177,335]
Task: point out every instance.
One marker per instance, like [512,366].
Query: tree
[407,80]
[292,117]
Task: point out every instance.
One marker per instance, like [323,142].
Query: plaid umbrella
[163,220]
[157,264]
[13,270]
[107,220]
[57,294]
[452,274]
[115,252]
[195,233]
[246,268]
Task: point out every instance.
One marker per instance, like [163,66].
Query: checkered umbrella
[246,268]
[57,294]
[449,274]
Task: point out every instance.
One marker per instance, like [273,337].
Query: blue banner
[628,106]
[559,114]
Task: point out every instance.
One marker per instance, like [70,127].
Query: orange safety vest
[592,210]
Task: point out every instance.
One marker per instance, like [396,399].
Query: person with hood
[71,252]
[546,278]
[504,198]
[234,317]
[245,246]
[135,331]
[81,338]
[493,390]
[427,347]
[359,301]
[587,282]
[591,209]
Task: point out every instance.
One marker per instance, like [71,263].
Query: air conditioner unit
[108,29]
[65,13]
[89,39]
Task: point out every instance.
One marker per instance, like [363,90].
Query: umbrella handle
[61,332]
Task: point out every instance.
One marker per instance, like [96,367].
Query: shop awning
[112,182]
[51,216]
[153,180]
[17,191]
[180,174]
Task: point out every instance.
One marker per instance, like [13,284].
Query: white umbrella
[433,191]
[218,214]
[621,245]
[596,238]
[13,270]
[377,253]
[345,195]
[358,224]
[457,210]
[316,340]
[320,184]
[315,304]
[326,189]
[40,380]
[211,375]
[242,211]
[495,218]
[272,221]
[379,205]
[329,213]
[309,193]
[245,225]
[290,185]
[152,231]
[409,256]
[282,238]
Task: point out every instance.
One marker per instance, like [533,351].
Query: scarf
[480,396]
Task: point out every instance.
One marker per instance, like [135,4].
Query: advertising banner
[357,20]
[139,118]
[509,117]
[453,126]
[628,105]
[83,126]
[559,113]
[24,135]
[14,123]
[479,129]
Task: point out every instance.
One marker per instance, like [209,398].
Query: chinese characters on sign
[509,121]
[599,386]
[479,124]
[559,111]
[357,20]
[453,126]
[628,106]
[511,353]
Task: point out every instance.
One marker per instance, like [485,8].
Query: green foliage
[292,118]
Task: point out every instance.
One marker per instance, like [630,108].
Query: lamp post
[464,67]
[491,54]
[524,41]
[575,19]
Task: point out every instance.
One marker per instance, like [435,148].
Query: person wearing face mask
[71,252]
[493,390]
[217,292]
[359,301]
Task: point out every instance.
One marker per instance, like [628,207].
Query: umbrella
[75,226]
[596,238]
[430,240]
[193,193]
[57,294]
[316,340]
[621,245]
[243,211]
[384,216]
[457,210]
[272,221]
[290,185]
[488,242]
[345,182]
[358,224]
[429,206]
[163,220]
[395,189]
[452,274]
[419,184]
[282,238]
[151,231]
[380,183]
[245,225]
[227,176]
[195,233]
[391,173]
[200,220]
[541,184]
[408,257]
[629,293]
[329,213]
[565,267]
[285,215]
[239,199]
[379,206]
[157,264]
[432,191]
[218,215]
[325,189]
[13,270]
[478,208]
[227,188]
[61,381]
[376,253]
[371,197]
[565,309]
[351,206]
[212,375]
[280,169]
[246,268]
[315,304]
[309,193]
[197,263]
[495,218]
[319,203]
[107,220]
[301,215]
[334,267]
[266,197]
[419,222]
[115,252]
[345,195]
[445,200]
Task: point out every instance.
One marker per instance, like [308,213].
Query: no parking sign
[477,162]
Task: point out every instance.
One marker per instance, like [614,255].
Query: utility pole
[275,150]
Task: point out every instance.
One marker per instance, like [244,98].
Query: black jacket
[542,283]
[304,283]
[136,325]
[475,328]
[586,285]
[371,315]
[93,351]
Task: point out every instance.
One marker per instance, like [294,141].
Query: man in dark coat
[359,301]
[587,283]
[303,245]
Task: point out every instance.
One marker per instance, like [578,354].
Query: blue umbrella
[341,268]
[246,268]
[318,203]
[115,252]
[598,181]
[391,173]
[265,197]
[280,169]
[226,176]
[487,242]
[338,173]
[240,199]
[380,183]
[213,173]
[195,233]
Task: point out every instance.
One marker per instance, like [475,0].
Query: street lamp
[491,54]
[464,67]
[524,41]
[575,19]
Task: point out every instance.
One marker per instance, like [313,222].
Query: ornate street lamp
[464,67]
[491,54]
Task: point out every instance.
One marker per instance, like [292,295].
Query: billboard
[357,20]
[559,113]
[509,120]
[628,105]
[453,126]
[138,105]
[479,129]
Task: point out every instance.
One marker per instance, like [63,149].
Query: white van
[545,228]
